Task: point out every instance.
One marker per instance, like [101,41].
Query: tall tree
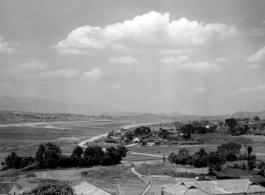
[39,157]
[77,152]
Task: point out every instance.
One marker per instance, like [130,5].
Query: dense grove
[225,152]
[50,156]
[52,189]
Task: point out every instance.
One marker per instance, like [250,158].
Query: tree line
[225,152]
[50,156]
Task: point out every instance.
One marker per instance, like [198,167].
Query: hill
[121,113]
[46,106]
[248,114]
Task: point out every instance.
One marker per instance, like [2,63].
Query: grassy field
[25,139]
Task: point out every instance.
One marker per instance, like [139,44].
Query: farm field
[25,138]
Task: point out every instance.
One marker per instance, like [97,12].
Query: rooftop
[85,188]
[5,187]
[230,186]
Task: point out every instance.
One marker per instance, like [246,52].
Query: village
[161,170]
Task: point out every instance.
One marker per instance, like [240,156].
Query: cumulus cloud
[254,66]
[5,47]
[93,75]
[33,65]
[60,74]
[260,88]
[72,52]
[123,60]
[221,60]
[149,29]
[257,57]
[177,60]
[203,67]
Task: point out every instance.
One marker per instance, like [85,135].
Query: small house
[85,188]
[231,173]
[150,144]
[10,188]
[136,140]
[111,141]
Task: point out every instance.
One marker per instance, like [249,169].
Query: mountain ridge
[43,105]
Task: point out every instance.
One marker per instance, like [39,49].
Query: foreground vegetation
[52,189]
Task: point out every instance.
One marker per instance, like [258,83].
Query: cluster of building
[216,187]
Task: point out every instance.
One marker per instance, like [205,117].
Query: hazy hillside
[249,114]
[121,113]
[46,106]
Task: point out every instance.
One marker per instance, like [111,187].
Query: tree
[214,158]
[129,135]
[52,155]
[95,153]
[249,153]
[256,119]
[230,149]
[164,133]
[52,189]
[171,157]
[39,157]
[231,123]
[187,130]
[122,151]
[26,160]
[201,153]
[65,162]
[12,161]
[77,152]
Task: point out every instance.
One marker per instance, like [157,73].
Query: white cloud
[116,86]
[257,57]
[201,90]
[259,88]
[203,67]
[123,60]
[33,65]
[149,29]
[177,60]
[5,47]
[60,74]
[254,66]
[221,60]
[72,52]
[81,38]
[93,75]
[178,51]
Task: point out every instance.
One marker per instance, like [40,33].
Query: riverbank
[126,127]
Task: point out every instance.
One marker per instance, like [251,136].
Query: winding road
[142,177]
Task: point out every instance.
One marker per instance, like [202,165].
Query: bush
[52,189]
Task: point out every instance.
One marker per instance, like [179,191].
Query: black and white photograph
[132,97]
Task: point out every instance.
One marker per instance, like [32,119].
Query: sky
[203,57]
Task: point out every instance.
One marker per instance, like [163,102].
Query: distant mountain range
[121,113]
[47,106]
[249,114]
